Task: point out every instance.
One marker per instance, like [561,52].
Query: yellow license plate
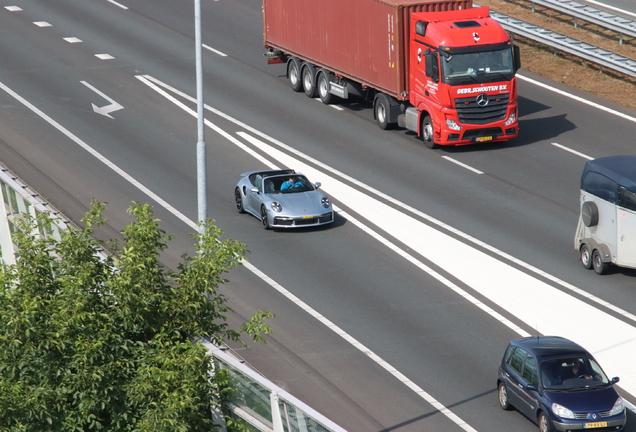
[488,138]
[594,425]
[307,217]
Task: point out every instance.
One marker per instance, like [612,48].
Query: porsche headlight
[618,407]
[325,202]
[562,411]
[276,206]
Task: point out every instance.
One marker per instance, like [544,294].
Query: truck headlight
[276,206]
[452,124]
[562,411]
[511,119]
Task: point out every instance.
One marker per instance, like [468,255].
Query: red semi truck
[442,69]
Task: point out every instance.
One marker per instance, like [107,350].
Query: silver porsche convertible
[282,199]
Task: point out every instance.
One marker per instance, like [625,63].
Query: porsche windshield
[287,184]
[478,67]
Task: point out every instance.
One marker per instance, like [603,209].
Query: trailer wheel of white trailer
[309,80]
[427,132]
[293,73]
[599,265]
[586,256]
[322,78]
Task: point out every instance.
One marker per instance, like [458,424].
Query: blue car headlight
[325,202]
[562,411]
[618,407]
[276,206]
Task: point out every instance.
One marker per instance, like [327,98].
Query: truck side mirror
[517,54]
[432,67]
[420,28]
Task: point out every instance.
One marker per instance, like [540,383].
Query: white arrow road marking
[105,110]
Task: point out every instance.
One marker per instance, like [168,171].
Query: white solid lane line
[531,300]
[402,378]
[503,284]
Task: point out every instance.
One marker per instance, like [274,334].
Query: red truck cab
[462,85]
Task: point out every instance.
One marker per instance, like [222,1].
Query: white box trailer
[606,231]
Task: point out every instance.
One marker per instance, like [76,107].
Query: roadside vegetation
[112,345]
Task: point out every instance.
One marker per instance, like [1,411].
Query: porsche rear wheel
[238,200]
[264,220]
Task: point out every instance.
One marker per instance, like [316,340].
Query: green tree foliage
[88,344]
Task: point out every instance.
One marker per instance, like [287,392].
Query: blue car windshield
[571,374]
[287,184]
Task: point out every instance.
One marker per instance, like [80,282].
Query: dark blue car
[559,385]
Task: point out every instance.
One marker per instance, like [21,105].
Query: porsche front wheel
[238,200]
[264,220]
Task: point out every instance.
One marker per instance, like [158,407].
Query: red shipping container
[363,40]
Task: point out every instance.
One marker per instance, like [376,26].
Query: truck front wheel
[427,132]
[293,73]
[309,80]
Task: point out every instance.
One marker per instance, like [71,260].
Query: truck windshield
[480,67]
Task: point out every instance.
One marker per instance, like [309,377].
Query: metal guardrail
[262,404]
[558,41]
[594,15]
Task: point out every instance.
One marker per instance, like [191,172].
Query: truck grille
[470,113]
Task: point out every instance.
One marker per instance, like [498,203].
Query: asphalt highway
[393,318]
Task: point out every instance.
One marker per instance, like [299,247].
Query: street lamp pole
[201,156]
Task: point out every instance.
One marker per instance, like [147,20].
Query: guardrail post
[6,244]
[277,420]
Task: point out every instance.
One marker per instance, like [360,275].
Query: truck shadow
[531,131]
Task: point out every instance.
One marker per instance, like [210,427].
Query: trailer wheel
[323,87]
[309,80]
[586,256]
[293,73]
[381,107]
[600,267]
[427,132]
